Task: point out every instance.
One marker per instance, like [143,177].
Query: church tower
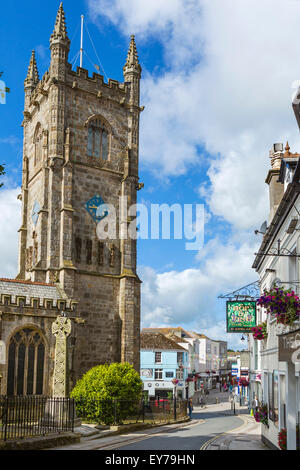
[81,150]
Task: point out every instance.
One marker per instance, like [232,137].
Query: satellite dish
[264,227]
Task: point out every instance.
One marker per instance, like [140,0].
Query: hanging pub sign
[240,316]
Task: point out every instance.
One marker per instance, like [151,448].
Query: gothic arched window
[97,139]
[38,144]
[26,363]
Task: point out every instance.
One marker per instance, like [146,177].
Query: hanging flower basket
[244,382]
[261,414]
[282,439]
[260,331]
[284,304]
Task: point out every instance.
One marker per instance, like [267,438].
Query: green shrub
[108,393]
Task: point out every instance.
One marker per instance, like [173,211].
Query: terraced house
[275,359]
[164,366]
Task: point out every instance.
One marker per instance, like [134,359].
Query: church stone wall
[63,245]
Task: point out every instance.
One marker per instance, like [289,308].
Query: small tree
[108,393]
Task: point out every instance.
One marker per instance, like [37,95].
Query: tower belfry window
[97,140]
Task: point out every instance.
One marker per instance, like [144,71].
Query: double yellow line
[206,444]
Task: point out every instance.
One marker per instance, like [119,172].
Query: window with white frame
[293,277]
[158,374]
[180,357]
[265,388]
[275,397]
[158,357]
[271,396]
[282,401]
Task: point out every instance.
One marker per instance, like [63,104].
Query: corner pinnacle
[60,29]
[32,78]
[132,61]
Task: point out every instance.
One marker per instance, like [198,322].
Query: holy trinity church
[81,144]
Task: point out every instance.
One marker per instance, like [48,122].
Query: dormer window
[97,139]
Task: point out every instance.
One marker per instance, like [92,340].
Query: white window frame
[281,420]
[158,362]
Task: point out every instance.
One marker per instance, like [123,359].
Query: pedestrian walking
[254,406]
[202,401]
[190,407]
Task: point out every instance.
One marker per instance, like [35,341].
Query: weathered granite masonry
[58,240]
[34,307]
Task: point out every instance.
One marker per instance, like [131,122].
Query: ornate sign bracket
[278,252]
[250,292]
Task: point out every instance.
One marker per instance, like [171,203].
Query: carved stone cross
[61,329]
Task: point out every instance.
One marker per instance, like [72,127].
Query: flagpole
[81,40]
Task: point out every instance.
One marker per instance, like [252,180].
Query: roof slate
[159,341]
[29,290]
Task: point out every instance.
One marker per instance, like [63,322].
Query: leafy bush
[108,393]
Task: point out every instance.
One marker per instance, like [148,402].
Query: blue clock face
[97,208]
[35,212]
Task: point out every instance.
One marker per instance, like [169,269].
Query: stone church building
[80,151]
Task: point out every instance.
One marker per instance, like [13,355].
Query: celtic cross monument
[61,329]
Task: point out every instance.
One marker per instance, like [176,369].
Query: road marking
[207,443]
[111,446]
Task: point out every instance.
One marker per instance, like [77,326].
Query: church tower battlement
[81,149]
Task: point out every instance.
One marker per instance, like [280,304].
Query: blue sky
[216,85]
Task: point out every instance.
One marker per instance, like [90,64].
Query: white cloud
[141,17]
[10,209]
[10,140]
[227,86]
[189,297]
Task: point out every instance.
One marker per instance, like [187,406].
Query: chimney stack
[276,189]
